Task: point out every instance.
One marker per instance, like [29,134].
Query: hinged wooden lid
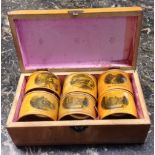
[79,39]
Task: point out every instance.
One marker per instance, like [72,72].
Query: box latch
[75,12]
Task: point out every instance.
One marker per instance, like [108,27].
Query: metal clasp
[114,68]
[75,12]
[79,128]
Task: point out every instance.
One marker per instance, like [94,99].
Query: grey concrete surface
[11,73]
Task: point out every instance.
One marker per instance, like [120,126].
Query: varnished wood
[14,104]
[123,11]
[137,39]
[91,135]
[71,72]
[16,43]
[107,122]
[141,96]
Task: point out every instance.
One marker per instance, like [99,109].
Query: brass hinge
[113,68]
[75,12]
[43,69]
[50,70]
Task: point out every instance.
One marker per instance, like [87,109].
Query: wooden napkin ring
[117,103]
[39,105]
[80,82]
[113,79]
[77,105]
[43,80]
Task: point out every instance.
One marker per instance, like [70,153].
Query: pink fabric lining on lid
[76,42]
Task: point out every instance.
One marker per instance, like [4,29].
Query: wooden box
[78,40]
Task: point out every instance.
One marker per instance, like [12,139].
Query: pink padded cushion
[76,42]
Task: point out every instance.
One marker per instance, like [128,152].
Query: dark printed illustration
[45,79]
[41,103]
[114,102]
[82,81]
[114,79]
[71,102]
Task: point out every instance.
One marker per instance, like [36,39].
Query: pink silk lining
[76,42]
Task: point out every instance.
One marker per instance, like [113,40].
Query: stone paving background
[11,73]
